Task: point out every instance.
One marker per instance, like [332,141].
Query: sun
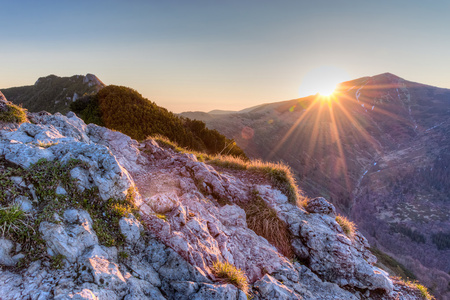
[326,91]
[322,80]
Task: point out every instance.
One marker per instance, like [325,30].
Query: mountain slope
[53,93]
[89,213]
[378,151]
[125,110]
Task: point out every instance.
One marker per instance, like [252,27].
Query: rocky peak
[184,220]
[93,80]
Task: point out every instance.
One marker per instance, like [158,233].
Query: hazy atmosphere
[203,55]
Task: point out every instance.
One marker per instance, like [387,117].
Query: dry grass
[422,290]
[228,273]
[348,226]
[264,222]
[279,174]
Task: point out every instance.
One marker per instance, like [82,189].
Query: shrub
[230,274]
[348,226]
[264,222]
[13,114]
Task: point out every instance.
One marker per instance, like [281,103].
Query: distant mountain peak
[92,80]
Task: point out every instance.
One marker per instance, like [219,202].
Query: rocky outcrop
[190,216]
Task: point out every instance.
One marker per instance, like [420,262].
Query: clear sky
[204,55]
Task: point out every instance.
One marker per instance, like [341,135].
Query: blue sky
[203,55]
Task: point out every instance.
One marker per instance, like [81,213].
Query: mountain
[53,93]
[89,213]
[378,150]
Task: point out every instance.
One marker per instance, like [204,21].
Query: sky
[200,55]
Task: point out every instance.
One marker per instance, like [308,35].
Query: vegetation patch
[125,110]
[264,221]
[228,273]
[13,114]
[441,240]
[393,265]
[348,226]
[57,261]
[279,174]
[46,176]
[414,235]
[423,291]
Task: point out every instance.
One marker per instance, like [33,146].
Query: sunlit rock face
[378,149]
[189,216]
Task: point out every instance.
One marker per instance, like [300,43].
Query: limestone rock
[270,288]
[72,237]
[6,246]
[320,205]
[131,228]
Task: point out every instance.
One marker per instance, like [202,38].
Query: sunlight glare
[322,80]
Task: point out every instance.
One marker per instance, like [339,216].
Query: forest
[125,110]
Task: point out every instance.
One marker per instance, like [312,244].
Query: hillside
[53,93]
[378,151]
[89,213]
[124,109]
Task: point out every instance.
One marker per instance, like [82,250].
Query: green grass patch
[228,273]
[57,261]
[46,176]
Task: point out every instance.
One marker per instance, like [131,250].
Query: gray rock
[6,246]
[106,274]
[24,203]
[216,291]
[270,288]
[60,190]
[73,237]
[18,181]
[25,155]
[320,205]
[141,289]
[131,228]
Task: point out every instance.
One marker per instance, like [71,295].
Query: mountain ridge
[374,149]
[113,218]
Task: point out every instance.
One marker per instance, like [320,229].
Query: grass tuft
[12,220]
[420,288]
[13,114]
[230,274]
[264,221]
[348,226]
[279,174]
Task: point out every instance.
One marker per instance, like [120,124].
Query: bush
[347,226]
[228,273]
